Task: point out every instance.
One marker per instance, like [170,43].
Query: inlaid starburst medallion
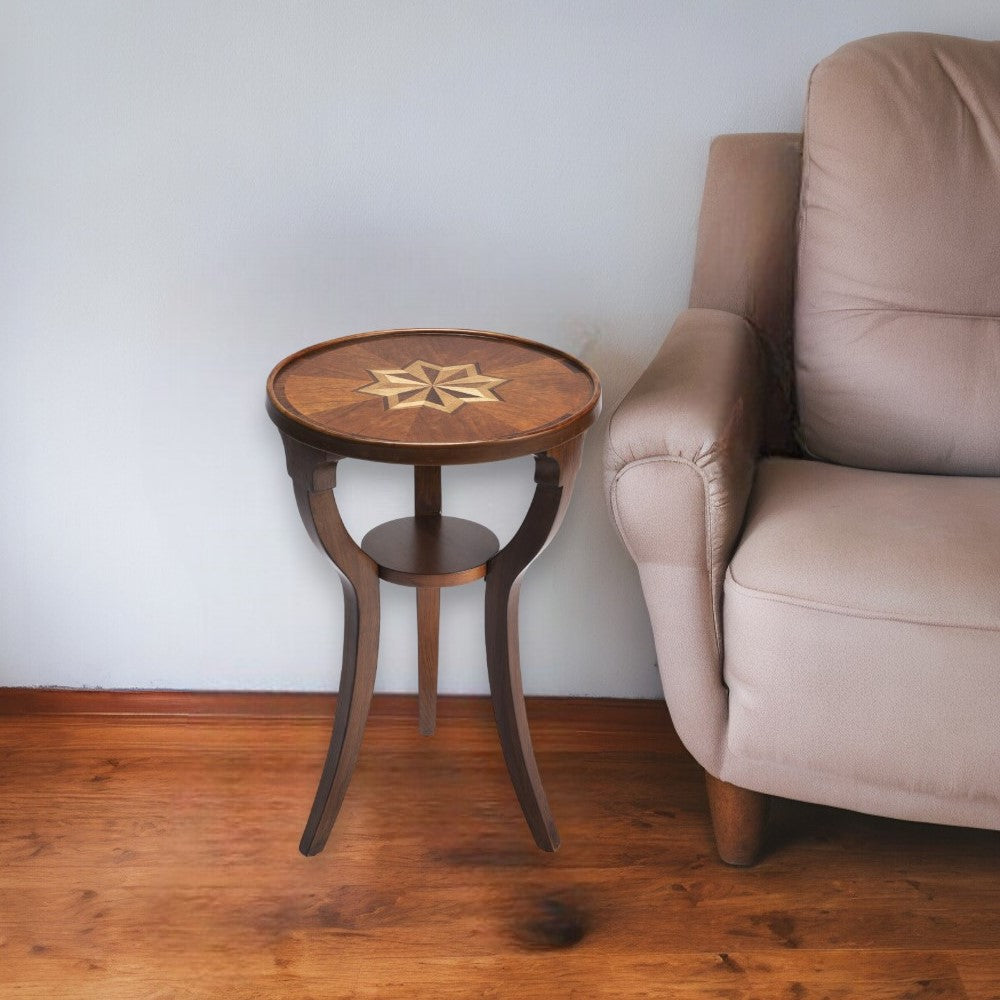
[443,388]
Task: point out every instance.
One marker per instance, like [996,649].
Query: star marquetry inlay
[443,388]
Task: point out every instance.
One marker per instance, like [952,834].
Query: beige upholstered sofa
[808,473]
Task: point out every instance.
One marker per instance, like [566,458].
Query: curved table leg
[555,471]
[314,476]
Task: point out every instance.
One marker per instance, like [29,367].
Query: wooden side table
[429,398]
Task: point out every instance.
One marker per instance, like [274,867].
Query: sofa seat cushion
[862,641]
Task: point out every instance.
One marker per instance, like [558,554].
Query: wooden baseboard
[605,712]
[73,701]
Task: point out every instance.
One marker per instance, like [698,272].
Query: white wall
[191,190]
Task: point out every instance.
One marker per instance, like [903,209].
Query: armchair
[807,475]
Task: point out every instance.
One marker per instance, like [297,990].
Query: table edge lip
[436,453]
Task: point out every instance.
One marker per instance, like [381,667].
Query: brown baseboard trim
[73,701]
[291,705]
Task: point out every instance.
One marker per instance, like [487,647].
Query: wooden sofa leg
[738,818]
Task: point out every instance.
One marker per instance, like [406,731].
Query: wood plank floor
[155,858]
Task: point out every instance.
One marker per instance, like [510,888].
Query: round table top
[432,397]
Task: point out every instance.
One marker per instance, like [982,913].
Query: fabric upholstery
[862,638]
[679,463]
[745,257]
[825,632]
[897,340]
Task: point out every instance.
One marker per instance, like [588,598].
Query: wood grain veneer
[151,855]
[541,396]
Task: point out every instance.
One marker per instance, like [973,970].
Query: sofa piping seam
[829,773]
[908,312]
[837,609]
[709,539]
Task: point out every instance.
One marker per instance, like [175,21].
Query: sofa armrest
[679,462]
[697,403]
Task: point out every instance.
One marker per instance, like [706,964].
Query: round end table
[429,398]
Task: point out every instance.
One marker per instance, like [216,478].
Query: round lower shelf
[431,550]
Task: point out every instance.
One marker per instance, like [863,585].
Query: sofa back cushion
[897,315]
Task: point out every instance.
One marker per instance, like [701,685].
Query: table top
[432,397]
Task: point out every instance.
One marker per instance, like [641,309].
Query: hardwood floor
[156,858]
